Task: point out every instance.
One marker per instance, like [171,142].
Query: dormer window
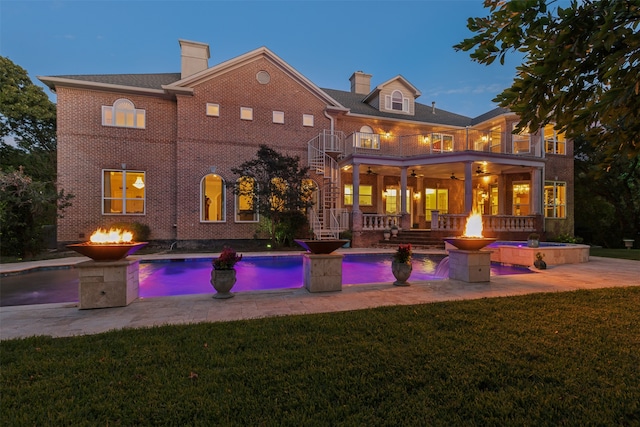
[397,102]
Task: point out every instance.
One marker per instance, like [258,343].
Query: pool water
[187,277]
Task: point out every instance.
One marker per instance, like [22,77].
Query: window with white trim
[246,113]
[245,200]
[307,120]
[396,102]
[555,199]
[212,201]
[278,117]
[521,142]
[123,192]
[123,114]
[213,110]
[365,195]
[366,138]
[554,142]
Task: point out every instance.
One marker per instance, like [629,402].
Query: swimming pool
[191,276]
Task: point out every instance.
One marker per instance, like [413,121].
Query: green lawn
[544,359]
[633,254]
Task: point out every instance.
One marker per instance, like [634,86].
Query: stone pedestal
[469,266]
[322,272]
[108,283]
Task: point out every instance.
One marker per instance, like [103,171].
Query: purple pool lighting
[187,277]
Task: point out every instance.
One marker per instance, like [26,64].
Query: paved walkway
[60,320]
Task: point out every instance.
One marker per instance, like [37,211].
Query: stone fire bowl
[469,243]
[321,246]
[107,251]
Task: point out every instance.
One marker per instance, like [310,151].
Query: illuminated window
[123,114]
[245,201]
[521,198]
[366,195]
[213,110]
[123,192]
[555,199]
[366,138]
[307,120]
[495,140]
[212,190]
[246,113]
[278,117]
[436,199]
[554,142]
[440,142]
[521,142]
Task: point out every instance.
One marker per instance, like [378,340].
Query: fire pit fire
[472,239]
[112,245]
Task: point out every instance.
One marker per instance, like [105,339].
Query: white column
[468,187]
[403,190]
[536,191]
[356,187]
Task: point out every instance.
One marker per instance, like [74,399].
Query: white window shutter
[405,105]
[387,102]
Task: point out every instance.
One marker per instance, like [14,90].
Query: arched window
[212,190]
[397,102]
[123,114]
[246,211]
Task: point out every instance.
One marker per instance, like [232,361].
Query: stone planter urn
[387,234]
[394,231]
[401,271]
[222,281]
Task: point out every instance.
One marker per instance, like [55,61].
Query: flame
[474,226]
[114,235]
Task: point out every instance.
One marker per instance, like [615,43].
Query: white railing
[379,221]
[457,222]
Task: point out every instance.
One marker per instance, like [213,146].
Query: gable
[396,95]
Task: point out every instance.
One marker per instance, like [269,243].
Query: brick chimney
[360,83]
[195,57]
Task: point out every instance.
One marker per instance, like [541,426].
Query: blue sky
[325,40]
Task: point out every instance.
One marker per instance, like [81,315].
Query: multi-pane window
[123,114]
[123,192]
[213,110]
[245,201]
[441,142]
[554,142]
[212,190]
[521,198]
[246,113]
[366,195]
[521,142]
[555,199]
[436,199]
[396,102]
[495,140]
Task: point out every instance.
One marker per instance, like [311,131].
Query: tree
[276,187]
[25,206]
[580,69]
[27,117]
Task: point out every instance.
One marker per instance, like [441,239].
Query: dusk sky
[326,41]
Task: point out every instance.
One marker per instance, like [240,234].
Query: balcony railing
[490,223]
[437,143]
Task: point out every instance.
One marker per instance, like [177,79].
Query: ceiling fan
[453,176]
[479,171]
[370,172]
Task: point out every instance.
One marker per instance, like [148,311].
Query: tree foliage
[27,117]
[580,70]
[25,207]
[278,191]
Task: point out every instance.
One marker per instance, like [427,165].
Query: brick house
[158,149]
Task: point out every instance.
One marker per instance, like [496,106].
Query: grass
[544,359]
[632,254]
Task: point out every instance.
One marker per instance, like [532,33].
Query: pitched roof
[423,113]
[147,81]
